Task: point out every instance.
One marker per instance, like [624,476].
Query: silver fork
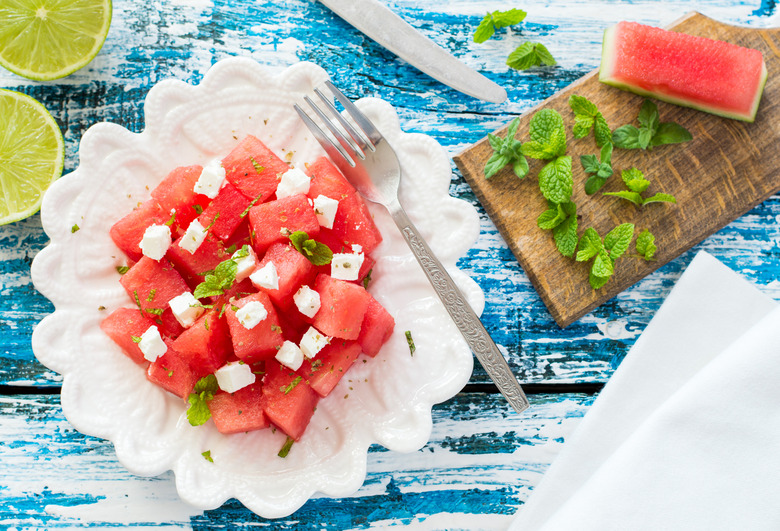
[371,165]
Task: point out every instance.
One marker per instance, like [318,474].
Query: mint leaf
[497,19]
[316,252]
[601,131]
[286,447]
[198,411]
[618,240]
[546,129]
[590,245]
[602,170]
[626,137]
[660,198]
[207,456]
[597,282]
[670,133]
[634,197]
[594,184]
[645,245]
[549,219]
[555,180]
[530,54]
[603,265]
[590,163]
[565,235]
[635,180]
[648,116]
[582,106]
[506,151]
[217,282]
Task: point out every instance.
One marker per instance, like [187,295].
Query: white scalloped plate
[385,400]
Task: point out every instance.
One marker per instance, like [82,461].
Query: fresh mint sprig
[198,412]
[651,131]
[506,150]
[561,219]
[316,252]
[636,184]
[604,252]
[495,20]
[530,54]
[599,170]
[587,117]
[548,142]
[222,278]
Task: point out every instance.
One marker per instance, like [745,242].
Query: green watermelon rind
[606,68]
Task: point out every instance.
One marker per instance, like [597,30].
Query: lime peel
[32,155]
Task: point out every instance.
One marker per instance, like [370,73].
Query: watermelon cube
[376,329]
[168,324]
[259,342]
[151,284]
[329,238]
[254,169]
[122,325]
[225,212]
[128,231]
[175,192]
[289,400]
[332,362]
[206,344]
[353,223]
[293,270]
[274,221]
[172,372]
[192,266]
[342,307]
[239,412]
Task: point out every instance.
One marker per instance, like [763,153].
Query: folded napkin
[686,433]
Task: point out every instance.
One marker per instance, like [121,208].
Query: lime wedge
[31,155]
[49,39]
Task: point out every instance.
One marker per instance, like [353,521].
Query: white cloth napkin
[686,433]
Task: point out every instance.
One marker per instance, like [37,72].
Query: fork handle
[459,309]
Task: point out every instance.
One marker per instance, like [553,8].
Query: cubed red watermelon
[206,257]
[241,411]
[289,400]
[176,193]
[293,270]
[206,344]
[151,284]
[332,362]
[342,307]
[254,169]
[128,231]
[225,212]
[172,372]
[260,342]
[376,329]
[274,221]
[122,325]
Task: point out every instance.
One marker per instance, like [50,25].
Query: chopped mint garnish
[506,151]
[135,339]
[198,412]
[122,269]
[207,456]
[286,448]
[258,168]
[587,117]
[74,228]
[216,282]
[410,342]
[286,389]
[530,54]
[246,210]
[171,219]
[495,20]
[651,132]
[316,252]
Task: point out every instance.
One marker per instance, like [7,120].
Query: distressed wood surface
[483,460]
[725,170]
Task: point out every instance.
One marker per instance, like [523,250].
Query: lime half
[49,39]
[31,155]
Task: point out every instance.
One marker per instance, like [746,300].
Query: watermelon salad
[249,279]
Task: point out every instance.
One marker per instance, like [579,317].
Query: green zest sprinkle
[367,279]
[213,220]
[135,339]
[258,168]
[291,386]
[207,456]
[246,210]
[154,311]
[171,219]
[410,342]
[152,292]
[286,448]
[74,228]
[198,209]
[122,269]
[198,411]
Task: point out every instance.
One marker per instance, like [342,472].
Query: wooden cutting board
[728,168]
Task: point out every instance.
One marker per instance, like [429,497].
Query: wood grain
[728,168]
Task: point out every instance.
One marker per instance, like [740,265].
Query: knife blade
[388,29]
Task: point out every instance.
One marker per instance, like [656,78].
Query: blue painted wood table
[482,460]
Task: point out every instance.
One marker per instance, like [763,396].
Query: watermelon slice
[713,76]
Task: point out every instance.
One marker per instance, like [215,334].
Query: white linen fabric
[686,433]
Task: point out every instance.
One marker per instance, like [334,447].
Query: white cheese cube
[312,342]
[234,375]
[193,237]
[155,241]
[152,344]
[346,266]
[325,208]
[186,309]
[357,248]
[245,265]
[251,314]
[307,300]
[293,182]
[211,179]
[265,277]
[290,355]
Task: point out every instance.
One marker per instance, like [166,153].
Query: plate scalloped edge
[386,400]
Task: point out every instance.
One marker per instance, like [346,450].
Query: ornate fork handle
[466,320]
